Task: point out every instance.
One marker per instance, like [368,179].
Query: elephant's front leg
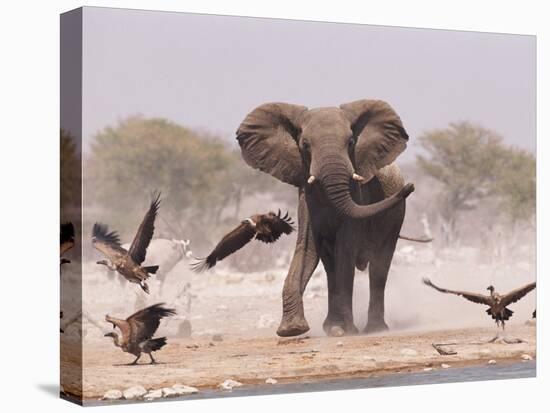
[303,265]
[340,269]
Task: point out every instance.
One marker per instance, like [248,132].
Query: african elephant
[351,199]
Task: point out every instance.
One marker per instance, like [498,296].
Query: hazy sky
[208,72]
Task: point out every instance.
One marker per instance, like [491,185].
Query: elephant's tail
[415,239]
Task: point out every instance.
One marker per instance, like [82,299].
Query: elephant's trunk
[335,178]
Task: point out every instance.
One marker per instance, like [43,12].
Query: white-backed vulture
[136,331]
[128,262]
[264,227]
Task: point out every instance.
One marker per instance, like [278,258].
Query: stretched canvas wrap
[258,206]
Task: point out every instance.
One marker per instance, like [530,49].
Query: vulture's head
[491,288]
[109,319]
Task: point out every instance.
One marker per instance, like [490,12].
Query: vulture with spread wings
[128,263]
[497,303]
[264,227]
[136,331]
[67,240]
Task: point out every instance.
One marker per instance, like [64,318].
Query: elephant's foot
[294,326]
[374,327]
[334,328]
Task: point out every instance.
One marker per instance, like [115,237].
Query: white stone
[112,394]
[182,389]
[134,392]
[526,357]
[409,352]
[492,362]
[153,394]
[169,392]
[428,369]
[445,366]
[229,384]
[339,344]
[271,381]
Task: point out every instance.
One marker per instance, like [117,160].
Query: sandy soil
[245,310]
[204,363]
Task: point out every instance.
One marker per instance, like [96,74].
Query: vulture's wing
[143,237]
[231,242]
[476,298]
[67,237]
[277,225]
[516,294]
[107,242]
[144,323]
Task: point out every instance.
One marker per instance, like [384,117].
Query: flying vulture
[67,240]
[266,228]
[128,262]
[136,331]
[497,303]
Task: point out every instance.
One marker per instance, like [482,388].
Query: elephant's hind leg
[303,265]
[378,275]
[340,269]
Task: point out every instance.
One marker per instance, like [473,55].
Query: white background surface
[29,104]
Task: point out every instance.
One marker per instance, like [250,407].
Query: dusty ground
[245,309]
[204,363]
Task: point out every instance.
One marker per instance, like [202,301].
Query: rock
[169,392]
[153,394]
[526,357]
[134,392]
[182,389]
[339,344]
[428,369]
[445,366]
[492,362]
[184,329]
[409,352]
[217,337]
[112,395]
[229,384]
[266,321]
[270,381]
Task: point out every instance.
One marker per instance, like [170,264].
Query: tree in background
[201,177]
[472,164]
[516,186]
[70,171]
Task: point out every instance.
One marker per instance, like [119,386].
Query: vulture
[136,331]
[128,262]
[497,303]
[264,227]
[67,240]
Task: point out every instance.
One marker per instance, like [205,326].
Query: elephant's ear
[268,137]
[379,133]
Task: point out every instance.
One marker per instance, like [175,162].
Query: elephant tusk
[357,177]
[311,179]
